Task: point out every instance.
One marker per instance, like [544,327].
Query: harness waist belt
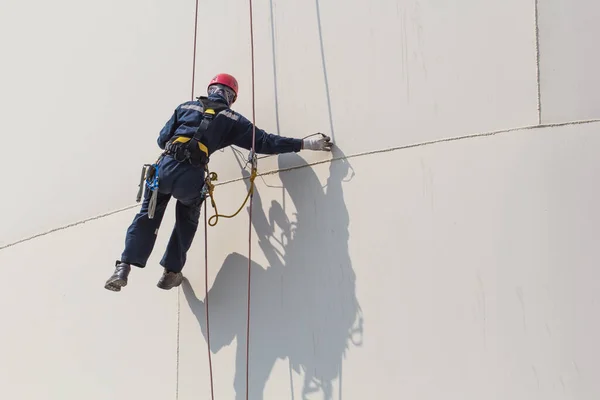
[185,139]
[182,149]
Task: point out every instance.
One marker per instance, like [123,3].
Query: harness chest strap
[192,149]
[209,115]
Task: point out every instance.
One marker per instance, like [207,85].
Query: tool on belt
[150,176]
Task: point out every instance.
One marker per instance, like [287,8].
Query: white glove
[322,144]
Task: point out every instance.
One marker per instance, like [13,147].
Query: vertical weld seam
[324,66]
[537,61]
[178,329]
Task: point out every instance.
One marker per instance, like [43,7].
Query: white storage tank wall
[402,265]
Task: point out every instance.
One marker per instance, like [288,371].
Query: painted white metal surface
[570,84]
[463,269]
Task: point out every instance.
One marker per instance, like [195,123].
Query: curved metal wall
[446,248]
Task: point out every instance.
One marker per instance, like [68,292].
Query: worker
[196,129]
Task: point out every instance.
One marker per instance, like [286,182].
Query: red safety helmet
[227,80]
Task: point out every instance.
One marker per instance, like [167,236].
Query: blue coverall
[184,181]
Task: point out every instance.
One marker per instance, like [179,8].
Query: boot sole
[169,287]
[115,285]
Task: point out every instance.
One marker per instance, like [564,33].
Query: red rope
[212,396]
[250,212]
[205,225]
[254,162]
[194,60]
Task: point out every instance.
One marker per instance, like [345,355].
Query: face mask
[223,91]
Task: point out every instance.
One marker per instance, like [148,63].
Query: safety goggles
[224,91]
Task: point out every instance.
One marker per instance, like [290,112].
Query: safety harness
[185,149]
[193,149]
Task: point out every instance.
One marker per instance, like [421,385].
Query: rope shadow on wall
[304,306]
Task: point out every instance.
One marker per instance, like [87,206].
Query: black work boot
[119,277]
[169,280]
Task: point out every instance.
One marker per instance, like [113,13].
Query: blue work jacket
[228,128]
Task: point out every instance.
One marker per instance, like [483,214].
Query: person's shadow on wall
[303,305]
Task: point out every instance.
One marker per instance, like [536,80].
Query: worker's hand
[323,143]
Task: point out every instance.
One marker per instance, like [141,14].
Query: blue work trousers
[184,182]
